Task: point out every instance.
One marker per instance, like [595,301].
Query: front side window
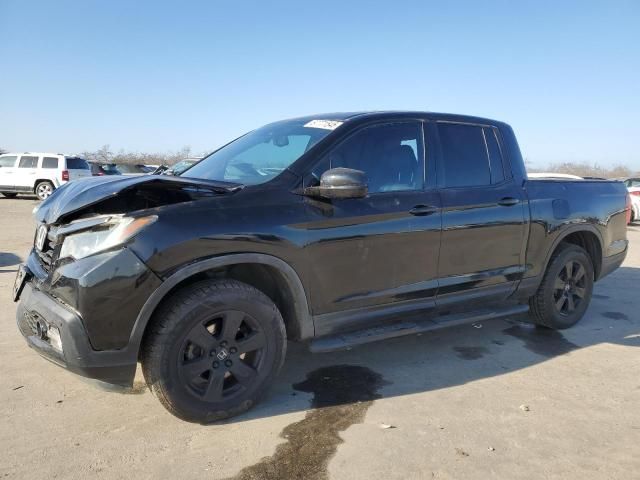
[391,156]
[8,161]
[464,155]
[28,162]
[49,162]
[259,156]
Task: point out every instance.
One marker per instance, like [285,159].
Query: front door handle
[508,201]
[421,210]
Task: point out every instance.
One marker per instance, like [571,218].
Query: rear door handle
[508,201]
[423,210]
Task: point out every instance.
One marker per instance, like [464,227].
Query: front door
[7,173]
[483,216]
[368,253]
[25,174]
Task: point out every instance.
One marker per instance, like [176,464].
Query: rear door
[366,253]
[7,173]
[52,169]
[25,174]
[483,216]
[77,168]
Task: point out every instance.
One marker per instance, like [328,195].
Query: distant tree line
[584,169]
[106,155]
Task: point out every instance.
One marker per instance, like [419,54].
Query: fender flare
[568,231]
[301,306]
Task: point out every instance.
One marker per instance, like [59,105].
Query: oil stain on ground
[615,315]
[470,353]
[543,341]
[342,395]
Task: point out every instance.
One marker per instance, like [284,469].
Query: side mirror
[340,183]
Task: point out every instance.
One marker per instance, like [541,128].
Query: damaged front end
[116,194]
[83,286]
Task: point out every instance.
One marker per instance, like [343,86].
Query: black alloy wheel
[570,287]
[212,349]
[565,291]
[221,356]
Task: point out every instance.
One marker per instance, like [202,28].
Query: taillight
[65,175]
[636,193]
[629,207]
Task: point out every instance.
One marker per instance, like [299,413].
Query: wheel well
[269,280]
[589,241]
[39,181]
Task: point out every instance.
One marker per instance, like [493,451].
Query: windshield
[260,155]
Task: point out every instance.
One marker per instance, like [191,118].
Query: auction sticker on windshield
[325,124]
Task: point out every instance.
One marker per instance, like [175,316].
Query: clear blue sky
[154,76]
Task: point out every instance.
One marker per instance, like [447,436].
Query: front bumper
[117,367]
[91,305]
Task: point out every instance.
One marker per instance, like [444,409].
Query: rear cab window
[470,156]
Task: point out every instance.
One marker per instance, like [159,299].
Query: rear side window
[77,163]
[495,156]
[464,155]
[49,162]
[8,161]
[28,162]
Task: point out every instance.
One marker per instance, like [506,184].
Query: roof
[347,116]
[38,154]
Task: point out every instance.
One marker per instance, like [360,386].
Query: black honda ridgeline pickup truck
[337,229]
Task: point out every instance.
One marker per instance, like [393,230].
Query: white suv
[39,173]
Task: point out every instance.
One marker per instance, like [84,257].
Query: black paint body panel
[348,262]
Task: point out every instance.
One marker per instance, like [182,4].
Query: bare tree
[584,169]
[105,155]
[2,151]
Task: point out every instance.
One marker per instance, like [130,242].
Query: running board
[351,339]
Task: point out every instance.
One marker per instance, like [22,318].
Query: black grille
[49,249]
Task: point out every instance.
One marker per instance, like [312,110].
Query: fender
[301,306]
[528,285]
[568,231]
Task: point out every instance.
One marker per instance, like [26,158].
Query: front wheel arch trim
[303,316]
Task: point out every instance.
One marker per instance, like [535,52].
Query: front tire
[565,292]
[213,349]
[44,189]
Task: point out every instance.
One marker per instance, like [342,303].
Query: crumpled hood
[83,193]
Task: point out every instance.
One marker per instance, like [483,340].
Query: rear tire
[9,195]
[565,292]
[213,350]
[44,189]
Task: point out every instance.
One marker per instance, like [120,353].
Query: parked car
[39,173]
[100,169]
[332,229]
[180,167]
[549,175]
[633,186]
[126,169]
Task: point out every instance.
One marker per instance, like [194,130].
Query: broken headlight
[111,232]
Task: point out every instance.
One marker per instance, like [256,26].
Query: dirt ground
[503,400]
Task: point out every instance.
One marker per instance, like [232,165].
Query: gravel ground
[503,401]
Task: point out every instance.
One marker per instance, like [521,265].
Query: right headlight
[111,233]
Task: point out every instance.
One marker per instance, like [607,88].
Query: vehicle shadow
[22,196]
[9,259]
[457,355]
